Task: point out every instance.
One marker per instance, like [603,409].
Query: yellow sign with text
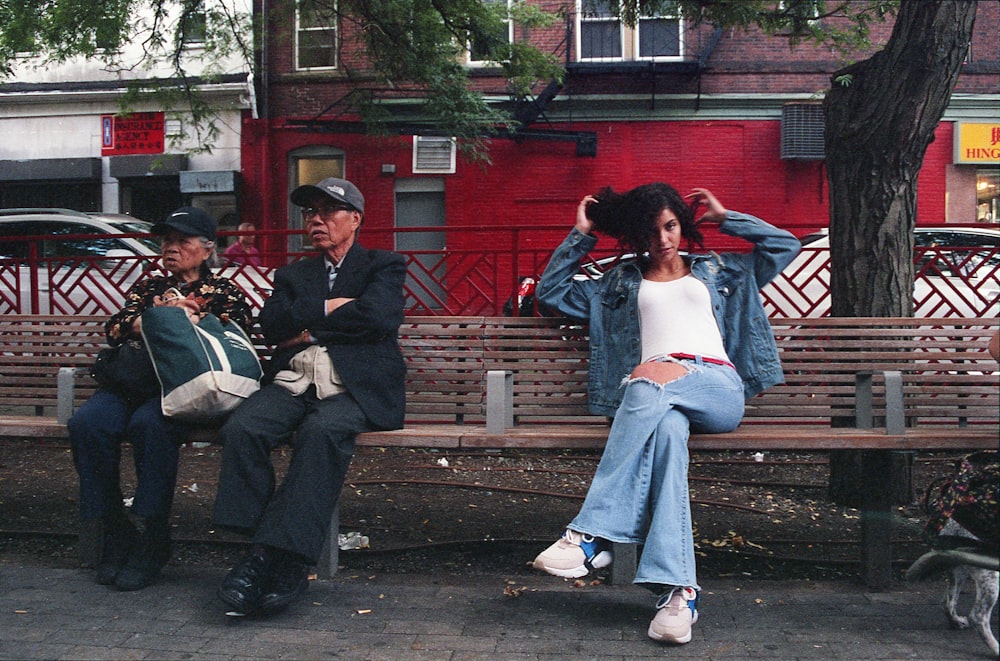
[977,143]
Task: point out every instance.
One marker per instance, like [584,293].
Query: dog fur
[986,582]
[963,566]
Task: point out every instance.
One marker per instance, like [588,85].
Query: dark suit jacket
[360,336]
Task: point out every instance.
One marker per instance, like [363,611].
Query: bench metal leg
[329,557]
[499,401]
[876,519]
[895,418]
[879,479]
[65,392]
[625,563]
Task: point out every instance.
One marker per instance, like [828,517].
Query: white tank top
[676,317]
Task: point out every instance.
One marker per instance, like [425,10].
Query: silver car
[60,261]
[957,275]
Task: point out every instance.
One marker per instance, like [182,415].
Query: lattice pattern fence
[481,281]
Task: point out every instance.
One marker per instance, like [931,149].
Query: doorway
[420,204]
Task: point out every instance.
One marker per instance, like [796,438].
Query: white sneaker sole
[666,638]
[669,639]
[601,560]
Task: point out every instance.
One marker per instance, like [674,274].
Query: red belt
[705,359]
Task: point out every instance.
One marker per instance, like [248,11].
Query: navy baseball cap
[188,220]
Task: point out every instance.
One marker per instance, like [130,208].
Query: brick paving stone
[62,614]
[32,650]
[90,652]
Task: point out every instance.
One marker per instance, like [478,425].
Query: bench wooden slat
[749,438]
[448,356]
[937,368]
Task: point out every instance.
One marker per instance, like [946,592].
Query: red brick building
[693,106]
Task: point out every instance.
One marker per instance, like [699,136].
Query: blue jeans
[96,432]
[640,489]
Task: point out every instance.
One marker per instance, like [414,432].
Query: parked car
[957,274]
[85,261]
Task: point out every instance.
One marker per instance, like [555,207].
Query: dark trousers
[296,516]
[96,433]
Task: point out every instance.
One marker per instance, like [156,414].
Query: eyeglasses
[324,212]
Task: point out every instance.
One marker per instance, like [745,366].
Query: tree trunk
[881,114]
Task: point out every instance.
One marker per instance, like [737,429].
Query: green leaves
[411,61]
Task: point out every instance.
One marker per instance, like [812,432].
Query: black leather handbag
[126,370]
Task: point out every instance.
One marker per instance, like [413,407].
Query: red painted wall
[536,182]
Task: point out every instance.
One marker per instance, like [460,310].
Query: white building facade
[65,142]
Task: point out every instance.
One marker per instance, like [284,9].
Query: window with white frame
[803,16]
[316,34]
[477,50]
[602,36]
[192,24]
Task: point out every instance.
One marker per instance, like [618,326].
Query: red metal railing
[478,280]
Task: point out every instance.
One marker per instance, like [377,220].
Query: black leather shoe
[120,538]
[289,581]
[245,584]
[147,557]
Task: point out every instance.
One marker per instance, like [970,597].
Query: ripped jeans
[640,490]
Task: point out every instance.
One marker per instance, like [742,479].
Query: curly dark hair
[631,217]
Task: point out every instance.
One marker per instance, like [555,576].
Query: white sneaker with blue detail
[676,611]
[575,555]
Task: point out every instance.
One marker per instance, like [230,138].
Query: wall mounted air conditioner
[433,155]
[802,129]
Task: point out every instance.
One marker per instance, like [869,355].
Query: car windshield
[138,227]
[971,254]
[812,238]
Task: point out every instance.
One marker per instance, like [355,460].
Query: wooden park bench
[879,385]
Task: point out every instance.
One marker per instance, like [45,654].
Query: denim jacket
[612,307]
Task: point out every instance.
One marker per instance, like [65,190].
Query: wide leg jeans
[640,489]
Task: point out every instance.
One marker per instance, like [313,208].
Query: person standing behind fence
[676,343]
[338,371]
[243,250]
[132,558]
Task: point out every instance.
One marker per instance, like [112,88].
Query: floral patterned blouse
[214,294]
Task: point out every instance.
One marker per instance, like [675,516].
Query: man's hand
[334,303]
[301,338]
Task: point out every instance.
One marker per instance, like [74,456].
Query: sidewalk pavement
[63,614]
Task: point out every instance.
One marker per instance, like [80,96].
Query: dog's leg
[956,579]
[987,586]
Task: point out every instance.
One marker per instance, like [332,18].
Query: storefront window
[988,195]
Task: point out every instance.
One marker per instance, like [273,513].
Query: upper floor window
[601,35]
[801,16]
[316,34]
[192,24]
[479,49]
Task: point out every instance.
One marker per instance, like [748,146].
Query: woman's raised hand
[583,224]
[714,211]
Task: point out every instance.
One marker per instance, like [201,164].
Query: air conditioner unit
[433,155]
[802,129]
